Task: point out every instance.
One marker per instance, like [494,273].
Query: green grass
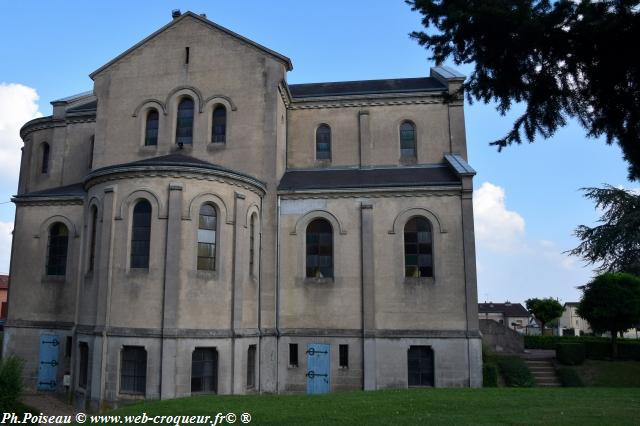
[533,406]
[609,373]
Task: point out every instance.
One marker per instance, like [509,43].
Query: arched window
[141,235]
[184,125]
[207,225]
[151,128]
[418,248]
[45,158]
[408,139]
[92,248]
[57,249]
[252,241]
[323,142]
[319,249]
[219,129]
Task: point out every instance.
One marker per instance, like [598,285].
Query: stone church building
[195,224]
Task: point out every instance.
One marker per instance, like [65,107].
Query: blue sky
[527,200]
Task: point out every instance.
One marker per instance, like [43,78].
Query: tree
[545,310]
[566,59]
[615,243]
[611,302]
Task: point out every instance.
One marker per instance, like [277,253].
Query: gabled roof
[204,20]
[507,309]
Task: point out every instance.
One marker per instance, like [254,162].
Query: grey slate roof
[74,190]
[508,309]
[365,87]
[88,107]
[296,180]
[172,160]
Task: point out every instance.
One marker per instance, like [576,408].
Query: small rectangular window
[251,366]
[293,354]
[84,365]
[133,370]
[68,346]
[186,56]
[344,356]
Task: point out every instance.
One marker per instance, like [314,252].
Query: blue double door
[48,368]
[318,368]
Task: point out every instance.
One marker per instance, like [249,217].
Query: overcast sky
[527,200]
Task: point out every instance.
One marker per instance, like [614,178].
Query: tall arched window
[151,128]
[252,241]
[319,249]
[408,139]
[141,235]
[57,249]
[92,247]
[45,158]
[184,125]
[323,142]
[219,128]
[207,225]
[418,248]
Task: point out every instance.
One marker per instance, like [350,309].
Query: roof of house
[4,282]
[432,175]
[507,309]
[76,189]
[204,20]
[571,304]
[366,87]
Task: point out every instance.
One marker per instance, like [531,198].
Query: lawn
[609,374]
[533,406]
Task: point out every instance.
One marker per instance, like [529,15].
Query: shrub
[515,372]
[571,353]
[569,378]
[10,383]
[489,375]
[598,350]
[629,350]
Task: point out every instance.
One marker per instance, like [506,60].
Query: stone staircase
[543,372]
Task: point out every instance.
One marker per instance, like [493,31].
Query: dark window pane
[57,249]
[151,131]
[418,246]
[133,370]
[45,158]
[407,139]
[251,366]
[204,370]
[184,125]
[319,250]
[344,355]
[219,129]
[207,223]
[293,354]
[323,142]
[141,235]
[420,366]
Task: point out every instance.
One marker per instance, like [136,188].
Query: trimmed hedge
[489,375]
[595,347]
[569,378]
[10,383]
[570,353]
[515,372]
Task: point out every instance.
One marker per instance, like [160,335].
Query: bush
[10,383]
[571,353]
[569,378]
[515,372]
[489,375]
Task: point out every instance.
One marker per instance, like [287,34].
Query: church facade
[195,224]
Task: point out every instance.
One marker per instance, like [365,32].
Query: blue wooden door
[49,345]
[318,368]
